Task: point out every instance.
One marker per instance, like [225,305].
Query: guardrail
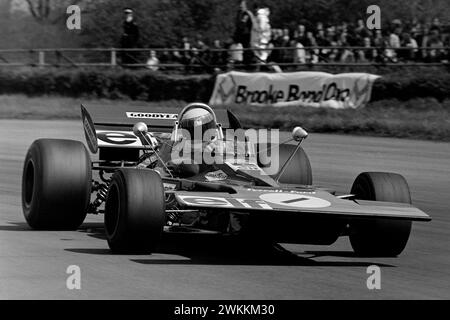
[111,57]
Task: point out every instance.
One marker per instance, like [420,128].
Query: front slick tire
[56,184]
[299,169]
[380,237]
[134,211]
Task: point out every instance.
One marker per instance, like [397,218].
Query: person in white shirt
[410,42]
[394,42]
[153,61]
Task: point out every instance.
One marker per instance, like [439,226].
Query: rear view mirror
[299,134]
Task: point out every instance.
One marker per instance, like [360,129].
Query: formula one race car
[147,182]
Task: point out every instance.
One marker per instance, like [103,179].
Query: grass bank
[420,118]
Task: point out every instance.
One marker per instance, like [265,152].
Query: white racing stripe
[294,200]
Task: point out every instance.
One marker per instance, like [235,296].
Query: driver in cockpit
[196,136]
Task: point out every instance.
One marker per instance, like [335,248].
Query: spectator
[199,44]
[153,61]
[394,43]
[300,53]
[244,25]
[218,58]
[311,55]
[345,54]
[394,38]
[437,54]
[300,34]
[436,25]
[261,34]
[366,55]
[176,56]
[409,42]
[389,55]
[276,43]
[290,55]
[416,33]
[332,40]
[361,33]
[424,42]
[322,41]
[186,53]
[344,26]
[236,54]
[447,44]
[202,48]
[198,64]
[319,26]
[130,38]
[379,46]
[166,57]
[378,38]
[286,55]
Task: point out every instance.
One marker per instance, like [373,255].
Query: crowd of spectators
[346,42]
[401,42]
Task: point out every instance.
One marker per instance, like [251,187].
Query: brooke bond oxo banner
[313,89]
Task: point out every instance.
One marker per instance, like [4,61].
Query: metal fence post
[41,55]
[113,57]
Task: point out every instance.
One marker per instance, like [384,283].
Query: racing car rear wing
[109,127]
[158,119]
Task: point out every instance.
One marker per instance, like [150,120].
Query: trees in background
[163,23]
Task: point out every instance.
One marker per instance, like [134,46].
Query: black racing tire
[134,211]
[299,169]
[380,237]
[56,184]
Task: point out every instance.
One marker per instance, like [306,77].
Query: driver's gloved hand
[183,170]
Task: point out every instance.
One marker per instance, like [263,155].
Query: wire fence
[224,59]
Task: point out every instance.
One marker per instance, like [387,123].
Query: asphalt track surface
[33,264]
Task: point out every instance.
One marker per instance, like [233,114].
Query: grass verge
[421,118]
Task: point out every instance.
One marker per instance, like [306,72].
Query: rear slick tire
[56,184]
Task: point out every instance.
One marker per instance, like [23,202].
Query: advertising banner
[303,89]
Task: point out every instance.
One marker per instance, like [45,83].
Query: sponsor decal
[227,88]
[243,166]
[150,115]
[294,93]
[122,138]
[169,186]
[280,191]
[294,200]
[216,176]
[117,138]
[220,202]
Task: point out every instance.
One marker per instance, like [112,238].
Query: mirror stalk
[298,134]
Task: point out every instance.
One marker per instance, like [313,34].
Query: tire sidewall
[380,237]
[32,208]
[138,195]
[298,171]
[62,184]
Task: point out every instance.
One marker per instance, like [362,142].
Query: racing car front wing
[316,202]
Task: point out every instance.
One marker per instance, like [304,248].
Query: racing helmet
[197,118]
